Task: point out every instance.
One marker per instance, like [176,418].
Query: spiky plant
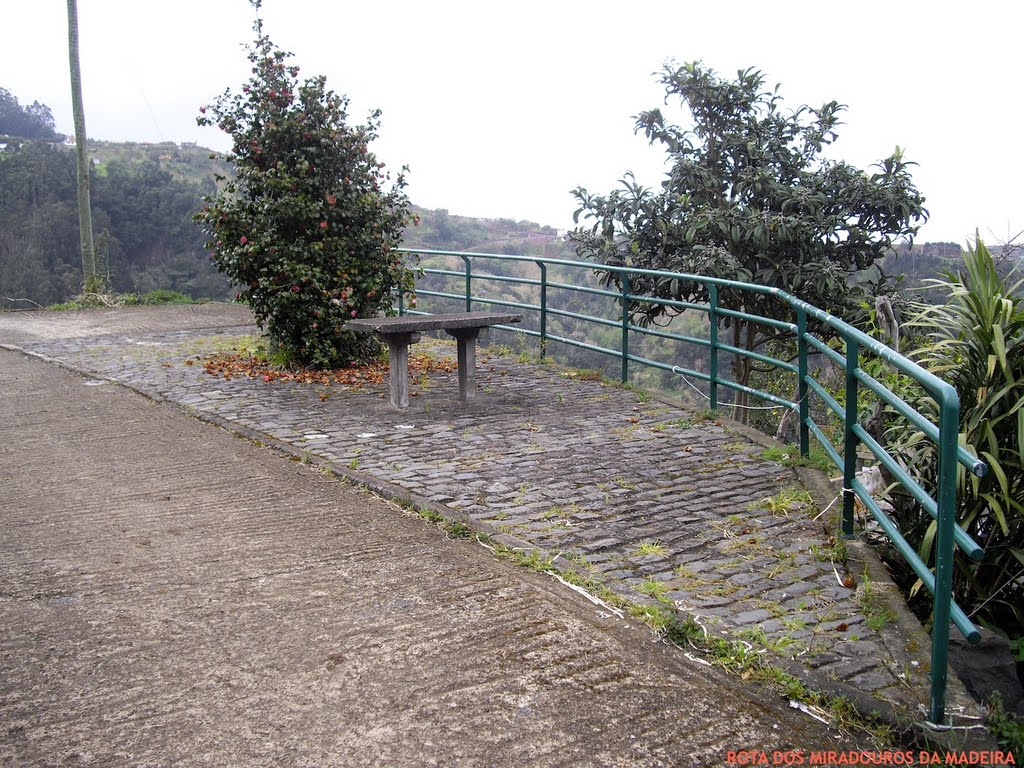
[975,341]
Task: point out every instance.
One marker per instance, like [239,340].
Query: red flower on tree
[281,164]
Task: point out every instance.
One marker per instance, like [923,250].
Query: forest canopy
[145,236]
[34,121]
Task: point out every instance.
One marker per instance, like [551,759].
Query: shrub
[976,343]
[305,228]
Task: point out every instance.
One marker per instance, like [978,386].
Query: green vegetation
[741,658]
[975,341]
[789,456]
[836,552]
[1007,728]
[305,226]
[456,529]
[876,613]
[143,199]
[654,588]
[459,530]
[785,501]
[145,239]
[33,121]
[152,298]
[651,548]
[749,197]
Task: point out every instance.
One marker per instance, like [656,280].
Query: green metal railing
[941,506]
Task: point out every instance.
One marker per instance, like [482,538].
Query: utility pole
[90,283]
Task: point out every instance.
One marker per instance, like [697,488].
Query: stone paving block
[755,616]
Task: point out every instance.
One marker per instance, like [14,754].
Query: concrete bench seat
[400,332]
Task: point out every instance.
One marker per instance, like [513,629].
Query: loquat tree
[749,196]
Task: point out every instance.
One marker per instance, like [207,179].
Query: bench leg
[398,360]
[467,362]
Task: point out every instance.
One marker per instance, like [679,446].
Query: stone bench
[400,332]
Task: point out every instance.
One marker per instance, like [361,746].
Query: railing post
[949,427]
[801,385]
[849,438]
[625,327]
[713,338]
[469,284]
[543,308]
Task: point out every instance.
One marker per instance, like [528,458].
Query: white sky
[500,109]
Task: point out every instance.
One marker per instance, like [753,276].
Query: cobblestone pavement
[658,502]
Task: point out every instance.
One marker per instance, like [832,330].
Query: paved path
[654,501]
[171,595]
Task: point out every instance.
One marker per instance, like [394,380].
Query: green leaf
[924,550]
[996,508]
[1020,433]
[1000,346]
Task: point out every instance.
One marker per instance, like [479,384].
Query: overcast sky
[501,109]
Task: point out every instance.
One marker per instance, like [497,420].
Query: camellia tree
[749,197]
[308,224]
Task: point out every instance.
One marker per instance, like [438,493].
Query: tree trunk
[741,371]
[90,283]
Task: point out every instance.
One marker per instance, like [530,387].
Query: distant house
[70,140]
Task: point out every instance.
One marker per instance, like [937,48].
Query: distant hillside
[144,197]
[928,261]
[440,230]
[437,229]
[187,162]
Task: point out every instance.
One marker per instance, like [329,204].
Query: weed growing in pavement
[651,548]
[579,559]
[582,374]
[521,493]
[641,395]
[498,350]
[455,529]
[458,530]
[794,623]
[654,588]
[785,501]
[876,613]
[689,576]
[789,456]
[836,552]
[532,560]
[430,515]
